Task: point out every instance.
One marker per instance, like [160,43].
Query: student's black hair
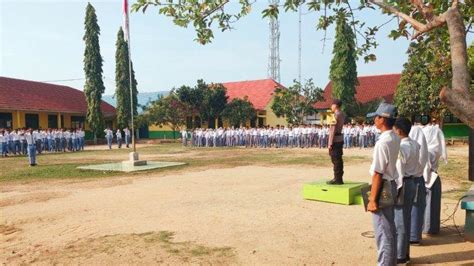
[390,122]
[337,102]
[403,124]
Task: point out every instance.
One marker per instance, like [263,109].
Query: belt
[409,177]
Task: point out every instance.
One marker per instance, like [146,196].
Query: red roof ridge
[377,75]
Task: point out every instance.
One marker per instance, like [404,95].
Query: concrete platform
[121,167]
[341,194]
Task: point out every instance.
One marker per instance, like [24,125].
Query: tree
[424,75]
[215,101]
[167,110]
[192,97]
[297,101]
[470,54]
[422,17]
[122,83]
[94,85]
[239,111]
[343,69]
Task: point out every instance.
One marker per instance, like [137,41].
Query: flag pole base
[133,160]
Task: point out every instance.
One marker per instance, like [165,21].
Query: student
[383,169]
[418,210]
[126,131]
[3,143]
[108,137]
[407,166]
[437,149]
[118,135]
[31,141]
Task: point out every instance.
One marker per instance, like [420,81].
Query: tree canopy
[122,83]
[343,69]
[296,101]
[94,85]
[238,111]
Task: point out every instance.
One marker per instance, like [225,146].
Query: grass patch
[456,171]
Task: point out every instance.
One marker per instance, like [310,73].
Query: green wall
[163,134]
[455,130]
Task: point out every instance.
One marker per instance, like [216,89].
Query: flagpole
[130,77]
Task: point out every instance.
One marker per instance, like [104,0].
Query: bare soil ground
[250,214]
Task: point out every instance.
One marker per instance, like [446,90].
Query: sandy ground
[258,213]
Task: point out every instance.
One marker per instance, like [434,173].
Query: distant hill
[143,98]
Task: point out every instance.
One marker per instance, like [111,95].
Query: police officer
[336,143]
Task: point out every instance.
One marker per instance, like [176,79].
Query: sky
[41,40]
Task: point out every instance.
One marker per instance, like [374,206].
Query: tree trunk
[471,155]
[458,98]
[95,138]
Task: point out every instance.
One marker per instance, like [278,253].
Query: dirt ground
[249,215]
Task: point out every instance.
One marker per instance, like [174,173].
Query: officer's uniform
[407,166]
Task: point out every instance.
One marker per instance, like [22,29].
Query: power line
[62,80]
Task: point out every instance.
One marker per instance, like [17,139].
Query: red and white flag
[125,20]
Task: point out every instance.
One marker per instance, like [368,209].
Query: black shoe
[415,243]
[335,182]
[402,261]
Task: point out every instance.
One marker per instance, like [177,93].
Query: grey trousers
[385,234]
[403,219]
[418,210]
[433,208]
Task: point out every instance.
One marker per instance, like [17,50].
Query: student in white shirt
[437,150]
[383,169]
[126,131]
[31,141]
[118,135]
[407,166]
[108,137]
[3,143]
[418,211]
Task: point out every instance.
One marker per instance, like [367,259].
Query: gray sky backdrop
[42,40]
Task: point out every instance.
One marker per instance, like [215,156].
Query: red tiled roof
[259,92]
[25,95]
[370,88]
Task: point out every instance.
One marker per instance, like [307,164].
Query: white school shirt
[436,149]
[416,134]
[30,138]
[385,156]
[127,132]
[183,133]
[14,136]
[2,139]
[119,135]
[408,160]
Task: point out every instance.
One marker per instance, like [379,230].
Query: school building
[32,104]
[259,92]
[376,87]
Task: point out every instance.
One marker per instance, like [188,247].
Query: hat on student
[385,110]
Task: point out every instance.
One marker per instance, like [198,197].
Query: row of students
[406,160]
[14,142]
[360,135]
[119,137]
[266,137]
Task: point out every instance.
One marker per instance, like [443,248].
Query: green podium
[347,194]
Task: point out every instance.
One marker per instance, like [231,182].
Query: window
[77,121]
[6,120]
[32,121]
[52,121]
